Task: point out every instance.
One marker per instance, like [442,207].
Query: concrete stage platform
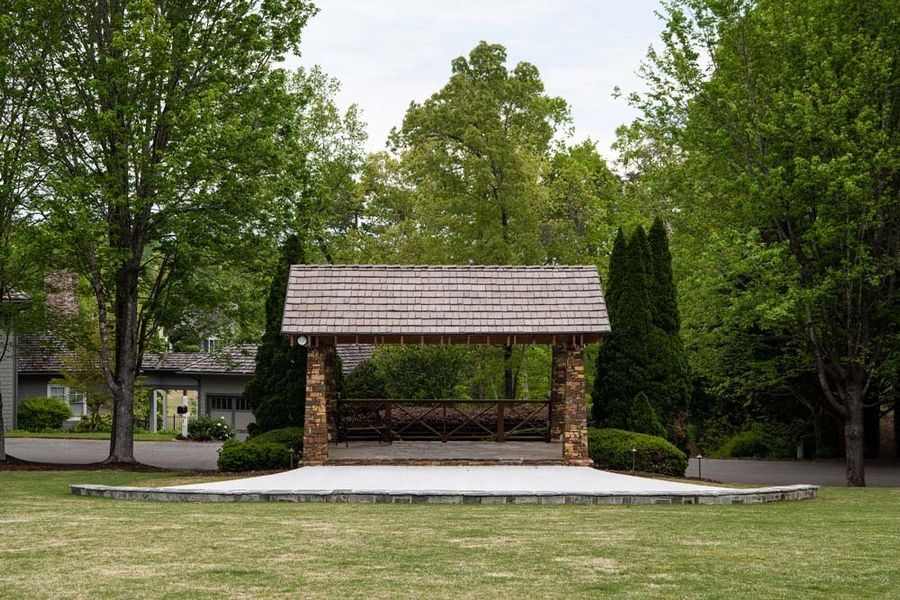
[453,485]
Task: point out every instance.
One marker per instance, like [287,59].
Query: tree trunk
[121,443]
[854,441]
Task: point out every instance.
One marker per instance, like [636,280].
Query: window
[220,402]
[77,401]
[210,344]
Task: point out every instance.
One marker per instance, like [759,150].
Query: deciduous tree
[164,139]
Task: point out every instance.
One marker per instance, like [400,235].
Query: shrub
[611,449]
[206,429]
[39,414]
[752,443]
[238,456]
[644,418]
[101,422]
[289,437]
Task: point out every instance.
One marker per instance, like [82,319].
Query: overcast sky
[388,52]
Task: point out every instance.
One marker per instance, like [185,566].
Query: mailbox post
[183,412]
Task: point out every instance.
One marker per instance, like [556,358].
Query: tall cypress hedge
[643,357]
[277,392]
[671,386]
[622,360]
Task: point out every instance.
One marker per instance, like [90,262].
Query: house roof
[233,360]
[352,355]
[41,353]
[170,361]
[452,303]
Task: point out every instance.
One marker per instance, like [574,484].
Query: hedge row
[612,449]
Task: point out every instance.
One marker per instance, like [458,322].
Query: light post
[699,466]
[633,455]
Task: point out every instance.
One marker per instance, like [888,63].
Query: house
[210,383]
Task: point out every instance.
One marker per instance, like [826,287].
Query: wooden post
[388,418]
[501,417]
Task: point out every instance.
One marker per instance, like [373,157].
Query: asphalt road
[200,456]
[783,472]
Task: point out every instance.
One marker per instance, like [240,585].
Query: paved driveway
[778,472]
[167,455]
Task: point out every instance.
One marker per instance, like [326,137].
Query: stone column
[315,426]
[331,391]
[575,438]
[557,393]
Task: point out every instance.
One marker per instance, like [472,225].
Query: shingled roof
[40,353]
[352,355]
[437,304]
[233,360]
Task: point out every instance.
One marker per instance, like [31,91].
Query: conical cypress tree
[277,392]
[668,363]
[644,418]
[622,360]
[614,280]
[662,285]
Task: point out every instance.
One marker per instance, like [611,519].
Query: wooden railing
[389,420]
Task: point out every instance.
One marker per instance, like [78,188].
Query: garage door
[234,409]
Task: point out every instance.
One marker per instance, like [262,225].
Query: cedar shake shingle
[444,300]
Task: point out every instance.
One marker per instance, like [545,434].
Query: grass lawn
[845,544]
[90,435]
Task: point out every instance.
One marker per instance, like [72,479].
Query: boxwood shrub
[40,414]
[611,449]
[238,456]
[291,437]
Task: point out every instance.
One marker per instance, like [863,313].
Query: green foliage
[98,423]
[623,359]
[644,418]
[746,444]
[206,429]
[277,392]
[612,449]
[40,414]
[414,372]
[176,161]
[365,381]
[771,129]
[668,368]
[236,456]
[292,437]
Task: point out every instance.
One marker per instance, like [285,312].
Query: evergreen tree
[613,282]
[643,417]
[622,362]
[670,388]
[662,284]
[277,392]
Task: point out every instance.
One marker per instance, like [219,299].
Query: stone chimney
[62,298]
